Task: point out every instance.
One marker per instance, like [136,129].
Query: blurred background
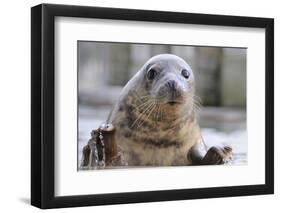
[220,74]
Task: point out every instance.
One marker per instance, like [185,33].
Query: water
[218,126]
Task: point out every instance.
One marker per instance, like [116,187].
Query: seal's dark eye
[185,74]
[151,74]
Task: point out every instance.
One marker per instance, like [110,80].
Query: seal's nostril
[172,85]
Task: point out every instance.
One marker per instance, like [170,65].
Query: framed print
[140,106]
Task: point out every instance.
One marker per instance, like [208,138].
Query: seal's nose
[172,85]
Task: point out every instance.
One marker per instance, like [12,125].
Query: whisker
[197,103]
[145,116]
[142,113]
[161,113]
[141,98]
[143,105]
[151,110]
[157,113]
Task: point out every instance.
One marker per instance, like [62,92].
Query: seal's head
[168,79]
[162,90]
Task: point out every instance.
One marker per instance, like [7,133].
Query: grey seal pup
[155,117]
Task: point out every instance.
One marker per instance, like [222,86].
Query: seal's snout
[173,89]
[173,92]
[172,85]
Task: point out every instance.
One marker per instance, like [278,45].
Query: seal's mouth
[173,103]
[174,99]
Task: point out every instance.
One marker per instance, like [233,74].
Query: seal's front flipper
[214,156]
[217,155]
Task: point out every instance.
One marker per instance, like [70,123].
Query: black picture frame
[43,105]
